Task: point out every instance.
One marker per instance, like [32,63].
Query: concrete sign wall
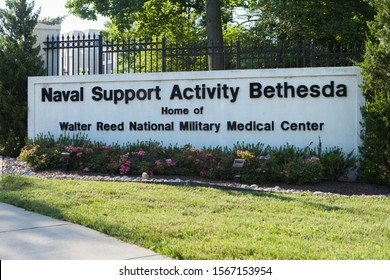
[275,107]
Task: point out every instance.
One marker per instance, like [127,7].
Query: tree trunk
[214,35]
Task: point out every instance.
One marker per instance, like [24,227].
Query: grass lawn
[209,223]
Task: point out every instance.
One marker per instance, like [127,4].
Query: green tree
[18,59]
[157,18]
[326,22]
[375,150]
[177,20]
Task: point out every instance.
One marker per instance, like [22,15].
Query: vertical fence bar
[312,53]
[47,54]
[123,58]
[52,56]
[73,60]
[128,55]
[83,55]
[78,54]
[58,54]
[67,53]
[238,54]
[100,53]
[164,55]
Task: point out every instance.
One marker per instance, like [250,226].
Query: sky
[55,8]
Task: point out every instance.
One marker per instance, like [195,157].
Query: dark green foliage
[375,150]
[19,60]
[336,163]
[326,22]
[13,128]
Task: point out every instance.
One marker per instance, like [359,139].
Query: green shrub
[304,171]
[375,148]
[336,163]
[41,157]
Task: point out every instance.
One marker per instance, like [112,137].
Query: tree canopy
[177,20]
[326,22]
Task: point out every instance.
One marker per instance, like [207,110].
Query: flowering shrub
[303,171]
[124,164]
[80,157]
[41,158]
[165,166]
[262,164]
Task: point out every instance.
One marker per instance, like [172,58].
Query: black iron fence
[83,54]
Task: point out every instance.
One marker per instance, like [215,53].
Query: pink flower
[70,148]
[86,169]
[124,168]
[170,162]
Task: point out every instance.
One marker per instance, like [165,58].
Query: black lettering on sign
[62,95]
[285,90]
[174,111]
[74,126]
[304,126]
[220,91]
[125,95]
[100,126]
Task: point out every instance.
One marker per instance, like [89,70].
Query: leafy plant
[287,164]
[336,163]
[375,149]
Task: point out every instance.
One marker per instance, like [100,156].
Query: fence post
[164,55]
[100,53]
[238,54]
[47,54]
[312,53]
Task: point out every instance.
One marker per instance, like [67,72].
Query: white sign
[218,108]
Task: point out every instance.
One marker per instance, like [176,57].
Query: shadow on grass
[9,187]
[282,197]
[12,184]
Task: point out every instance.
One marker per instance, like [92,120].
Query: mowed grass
[185,222]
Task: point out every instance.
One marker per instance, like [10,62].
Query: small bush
[336,163]
[304,171]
